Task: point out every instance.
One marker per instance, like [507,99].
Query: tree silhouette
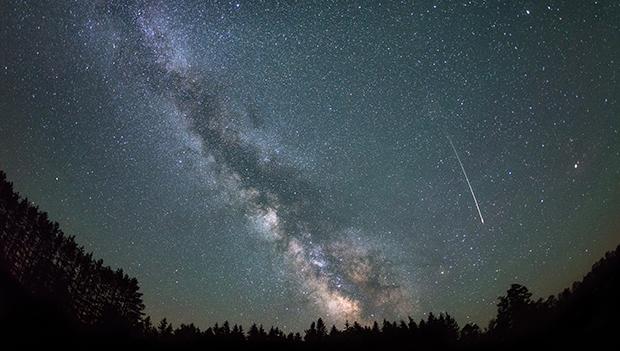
[311,334]
[164,329]
[50,287]
[321,330]
[50,265]
[512,310]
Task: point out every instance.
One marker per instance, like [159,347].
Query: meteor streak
[466,178]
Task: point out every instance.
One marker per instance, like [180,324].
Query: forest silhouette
[55,294]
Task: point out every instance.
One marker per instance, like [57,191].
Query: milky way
[286,209]
[274,162]
[345,280]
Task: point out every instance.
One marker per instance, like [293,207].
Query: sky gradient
[273,162]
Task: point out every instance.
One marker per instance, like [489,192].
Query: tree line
[39,261]
[49,264]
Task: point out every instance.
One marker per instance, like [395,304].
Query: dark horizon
[52,292]
[278,162]
[7,261]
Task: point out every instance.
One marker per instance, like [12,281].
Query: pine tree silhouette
[54,291]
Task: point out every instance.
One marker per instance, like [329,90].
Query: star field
[273,162]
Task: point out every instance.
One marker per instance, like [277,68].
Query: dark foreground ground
[54,295]
[585,316]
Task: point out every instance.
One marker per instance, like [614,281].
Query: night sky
[273,162]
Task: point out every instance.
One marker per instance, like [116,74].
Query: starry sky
[274,162]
